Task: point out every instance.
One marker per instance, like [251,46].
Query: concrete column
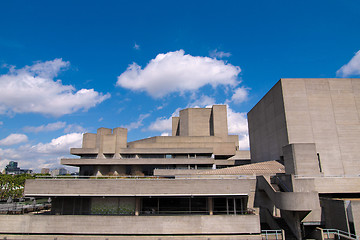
[121,140]
[118,170]
[210,206]
[137,206]
[100,140]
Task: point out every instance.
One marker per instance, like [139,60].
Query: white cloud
[164,124]
[138,123]
[177,72]
[1,123]
[60,145]
[161,124]
[244,143]
[240,95]
[136,46]
[237,124]
[351,68]
[33,89]
[13,139]
[42,154]
[203,101]
[74,128]
[45,128]
[219,54]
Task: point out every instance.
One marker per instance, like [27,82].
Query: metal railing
[338,234]
[283,184]
[272,234]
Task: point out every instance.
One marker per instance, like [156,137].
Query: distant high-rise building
[12,168]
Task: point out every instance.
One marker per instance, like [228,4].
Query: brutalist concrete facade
[118,193]
[313,127]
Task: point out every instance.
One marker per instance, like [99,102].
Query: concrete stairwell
[294,206]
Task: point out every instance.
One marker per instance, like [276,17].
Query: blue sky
[68,67]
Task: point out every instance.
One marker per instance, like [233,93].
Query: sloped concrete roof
[261,168]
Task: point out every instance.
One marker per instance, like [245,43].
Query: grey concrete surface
[320,111]
[137,187]
[82,224]
[109,237]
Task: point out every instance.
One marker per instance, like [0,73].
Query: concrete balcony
[130,225]
[143,161]
[139,187]
[137,161]
[81,151]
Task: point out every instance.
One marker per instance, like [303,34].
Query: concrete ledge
[127,237]
[138,187]
[137,161]
[135,225]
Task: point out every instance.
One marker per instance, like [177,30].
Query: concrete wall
[77,224]
[321,111]
[201,122]
[301,159]
[267,126]
[355,210]
[138,187]
[334,214]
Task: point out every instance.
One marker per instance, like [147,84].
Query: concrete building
[13,169]
[303,174]
[313,127]
[141,189]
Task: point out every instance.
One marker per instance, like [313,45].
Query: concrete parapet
[138,187]
[130,225]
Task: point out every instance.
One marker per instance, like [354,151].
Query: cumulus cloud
[161,124]
[351,68]
[237,124]
[240,95]
[60,145]
[164,124]
[41,155]
[177,72]
[45,128]
[33,89]
[219,54]
[138,123]
[13,139]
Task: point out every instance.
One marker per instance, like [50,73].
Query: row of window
[191,155]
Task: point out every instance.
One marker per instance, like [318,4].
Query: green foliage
[13,185]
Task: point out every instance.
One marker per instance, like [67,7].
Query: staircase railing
[339,234]
[272,234]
